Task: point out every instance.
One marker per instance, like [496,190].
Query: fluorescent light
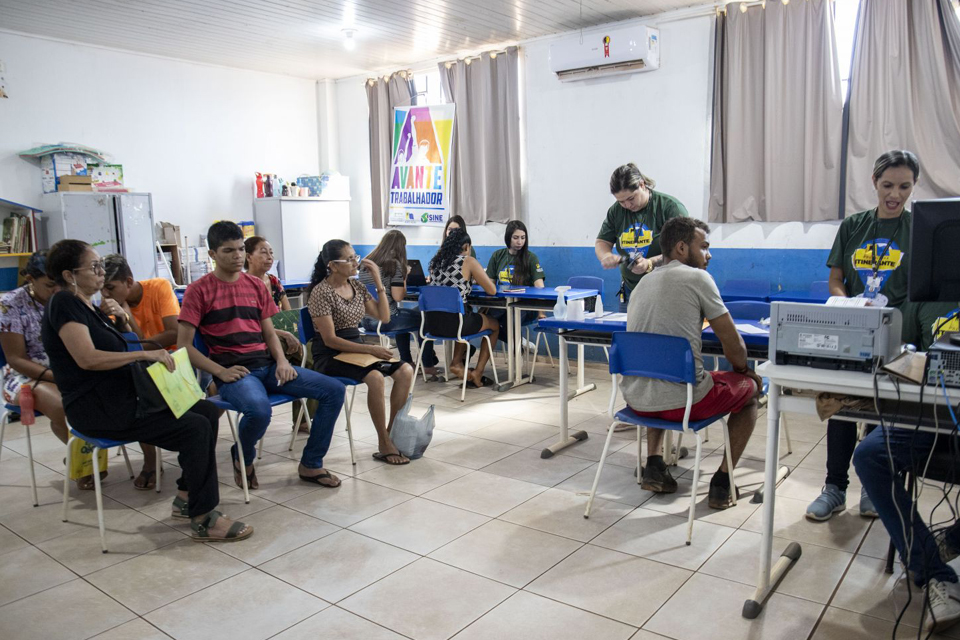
[349,43]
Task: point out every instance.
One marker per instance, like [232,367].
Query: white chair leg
[606,352]
[693,490]
[66,478]
[260,449]
[126,459]
[639,455]
[546,343]
[706,434]
[422,369]
[33,477]
[596,478]
[493,364]
[536,351]
[466,369]
[349,410]
[99,495]
[3,428]
[296,423]
[729,457]
[159,467]
[785,431]
[242,461]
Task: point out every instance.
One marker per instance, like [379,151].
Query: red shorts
[730,392]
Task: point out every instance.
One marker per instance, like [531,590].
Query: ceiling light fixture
[349,43]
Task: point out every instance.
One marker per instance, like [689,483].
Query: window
[845,21]
[428,86]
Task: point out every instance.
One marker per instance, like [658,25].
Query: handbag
[149,399]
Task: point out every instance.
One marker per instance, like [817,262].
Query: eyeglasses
[354,259]
[96,266]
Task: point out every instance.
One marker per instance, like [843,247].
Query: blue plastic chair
[385,336]
[98,444]
[576,282]
[275,399]
[748,310]
[668,358]
[752,289]
[307,333]
[448,300]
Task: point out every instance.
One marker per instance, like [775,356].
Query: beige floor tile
[838,624]
[338,460]
[816,459]
[158,578]
[517,432]
[10,541]
[276,475]
[756,448]
[612,584]
[647,635]
[867,589]
[463,421]
[804,428]
[843,531]
[416,478]
[470,452]
[662,537]
[527,465]
[561,513]
[813,577]
[15,493]
[877,542]
[445,601]
[678,504]
[234,608]
[74,610]
[420,526]
[526,616]
[589,449]
[338,565]
[705,602]
[129,533]
[617,484]
[138,629]
[506,552]
[277,530]
[354,500]
[28,571]
[806,484]
[485,493]
[334,623]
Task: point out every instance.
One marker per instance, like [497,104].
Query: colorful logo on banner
[636,238]
[420,166]
[866,255]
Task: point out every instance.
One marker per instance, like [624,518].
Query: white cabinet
[297,228]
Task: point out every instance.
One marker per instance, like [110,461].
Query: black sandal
[326,475]
[149,481]
[484,382]
[384,457]
[251,477]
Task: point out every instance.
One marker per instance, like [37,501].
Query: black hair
[458,220]
[897,158]
[65,256]
[36,266]
[332,250]
[250,245]
[223,231]
[628,177]
[449,250]
[680,229]
[521,261]
[115,267]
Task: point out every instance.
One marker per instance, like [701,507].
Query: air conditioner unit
[606,53]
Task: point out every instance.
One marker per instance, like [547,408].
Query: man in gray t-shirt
[675,300]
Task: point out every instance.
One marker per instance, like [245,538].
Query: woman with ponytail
[338,302]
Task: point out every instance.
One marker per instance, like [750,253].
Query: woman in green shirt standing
[632,227]
[868,259]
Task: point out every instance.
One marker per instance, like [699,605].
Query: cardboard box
[55,165]
[168,233]
[75,187]
[76,180]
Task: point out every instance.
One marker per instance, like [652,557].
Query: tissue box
[312,183]
[54,165]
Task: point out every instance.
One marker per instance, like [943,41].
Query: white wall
[575,135]
[191,134]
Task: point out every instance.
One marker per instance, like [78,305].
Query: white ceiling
[304,37]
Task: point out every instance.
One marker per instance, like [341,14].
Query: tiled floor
[480,539]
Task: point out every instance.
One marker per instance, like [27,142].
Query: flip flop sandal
[251,477]
[484,382]
[384,457]
[323,476]
[201,530]
[180,509]
[86,482]
[149,481]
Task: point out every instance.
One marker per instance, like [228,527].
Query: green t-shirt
[638,232]
[933,319]
[501,268]
[865,243]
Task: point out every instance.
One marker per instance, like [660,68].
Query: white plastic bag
[411,436]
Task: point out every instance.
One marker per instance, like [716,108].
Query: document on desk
[751,330]
[840,301]
[613,317]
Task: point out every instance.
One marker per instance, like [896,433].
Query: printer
[827,337]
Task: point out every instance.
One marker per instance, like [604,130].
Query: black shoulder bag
[149,399]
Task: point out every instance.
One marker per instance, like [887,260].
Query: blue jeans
[406,320]
[909,451]
[249,396]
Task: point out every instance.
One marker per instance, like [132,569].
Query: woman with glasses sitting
[337,303]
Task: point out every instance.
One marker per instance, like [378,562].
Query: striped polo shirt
[228,316]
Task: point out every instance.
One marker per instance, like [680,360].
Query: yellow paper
[179,387]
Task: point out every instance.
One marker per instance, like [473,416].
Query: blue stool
[307,333]
[669,358]
[448,300]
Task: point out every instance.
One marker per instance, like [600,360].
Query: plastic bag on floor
[410,435]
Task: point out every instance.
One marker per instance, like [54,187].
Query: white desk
[819,380]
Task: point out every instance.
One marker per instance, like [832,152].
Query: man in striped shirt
[233,310]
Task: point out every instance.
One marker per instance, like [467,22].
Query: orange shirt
[158,301]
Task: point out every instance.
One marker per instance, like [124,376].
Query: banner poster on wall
[420,168]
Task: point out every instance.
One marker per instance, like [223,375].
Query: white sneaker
[944,609]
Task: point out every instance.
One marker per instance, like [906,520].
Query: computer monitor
[934,251]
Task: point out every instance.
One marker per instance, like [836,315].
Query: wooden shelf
[15,255]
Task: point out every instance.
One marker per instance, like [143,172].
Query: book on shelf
[19,233]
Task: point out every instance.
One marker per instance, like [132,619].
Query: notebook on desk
[416,277]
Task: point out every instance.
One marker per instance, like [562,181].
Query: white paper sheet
[751,330]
